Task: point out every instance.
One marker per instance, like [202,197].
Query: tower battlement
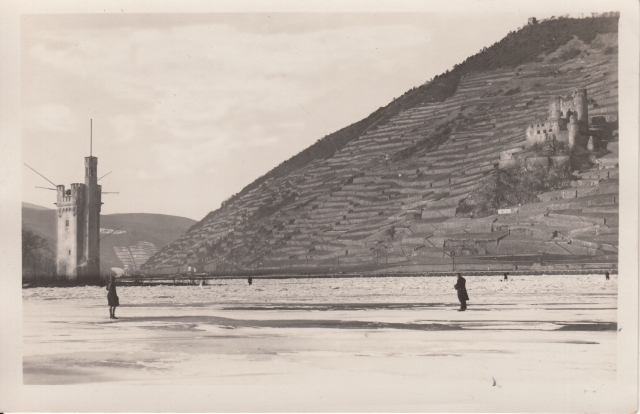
[580,92]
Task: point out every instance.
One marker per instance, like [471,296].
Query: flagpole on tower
[91,137]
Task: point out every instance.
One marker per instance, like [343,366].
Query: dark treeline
[38,260]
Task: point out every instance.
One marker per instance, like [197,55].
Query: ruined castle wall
[538,133]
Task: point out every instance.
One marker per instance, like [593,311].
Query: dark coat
[112,296]
[462,289]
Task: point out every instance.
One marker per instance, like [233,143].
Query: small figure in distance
[463,297]
[112,298]
[250,281]
[606,275]
[506,276]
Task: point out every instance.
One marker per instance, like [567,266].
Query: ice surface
[390,344]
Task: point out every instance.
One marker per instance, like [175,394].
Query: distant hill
[396,191]
[34,206]
[41,221]
[134,230]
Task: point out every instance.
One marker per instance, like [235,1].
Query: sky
[188,109]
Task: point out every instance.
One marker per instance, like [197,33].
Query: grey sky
[189,108]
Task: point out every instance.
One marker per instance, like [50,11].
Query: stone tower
[555,108]
[555,114]
[574,132]
[581,106]
[78,253]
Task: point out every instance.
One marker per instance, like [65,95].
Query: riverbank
[196,279]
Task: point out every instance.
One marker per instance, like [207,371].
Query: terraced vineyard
[388,200]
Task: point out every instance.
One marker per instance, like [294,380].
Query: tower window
[66,223]
[69,252]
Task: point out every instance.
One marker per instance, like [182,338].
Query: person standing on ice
[606,275]
[463,297]
[112,298]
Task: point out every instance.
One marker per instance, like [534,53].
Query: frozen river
[372,344]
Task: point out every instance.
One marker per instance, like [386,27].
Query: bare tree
[37,258]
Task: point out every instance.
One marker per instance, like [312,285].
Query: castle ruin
[568,122]
[566,129]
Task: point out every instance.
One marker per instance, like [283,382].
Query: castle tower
[555,108]
[574,132]
[78,252]
[555,114]
[581,106]
[92,214]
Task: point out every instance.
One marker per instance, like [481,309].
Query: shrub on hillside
[427,144]
[569,54]
[267,209]
[514,186]
[512,91]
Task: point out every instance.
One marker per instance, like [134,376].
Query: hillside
[395,191]
[139,235]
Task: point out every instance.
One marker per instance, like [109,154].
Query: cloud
[195,77]
[125,126]
[51,117]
